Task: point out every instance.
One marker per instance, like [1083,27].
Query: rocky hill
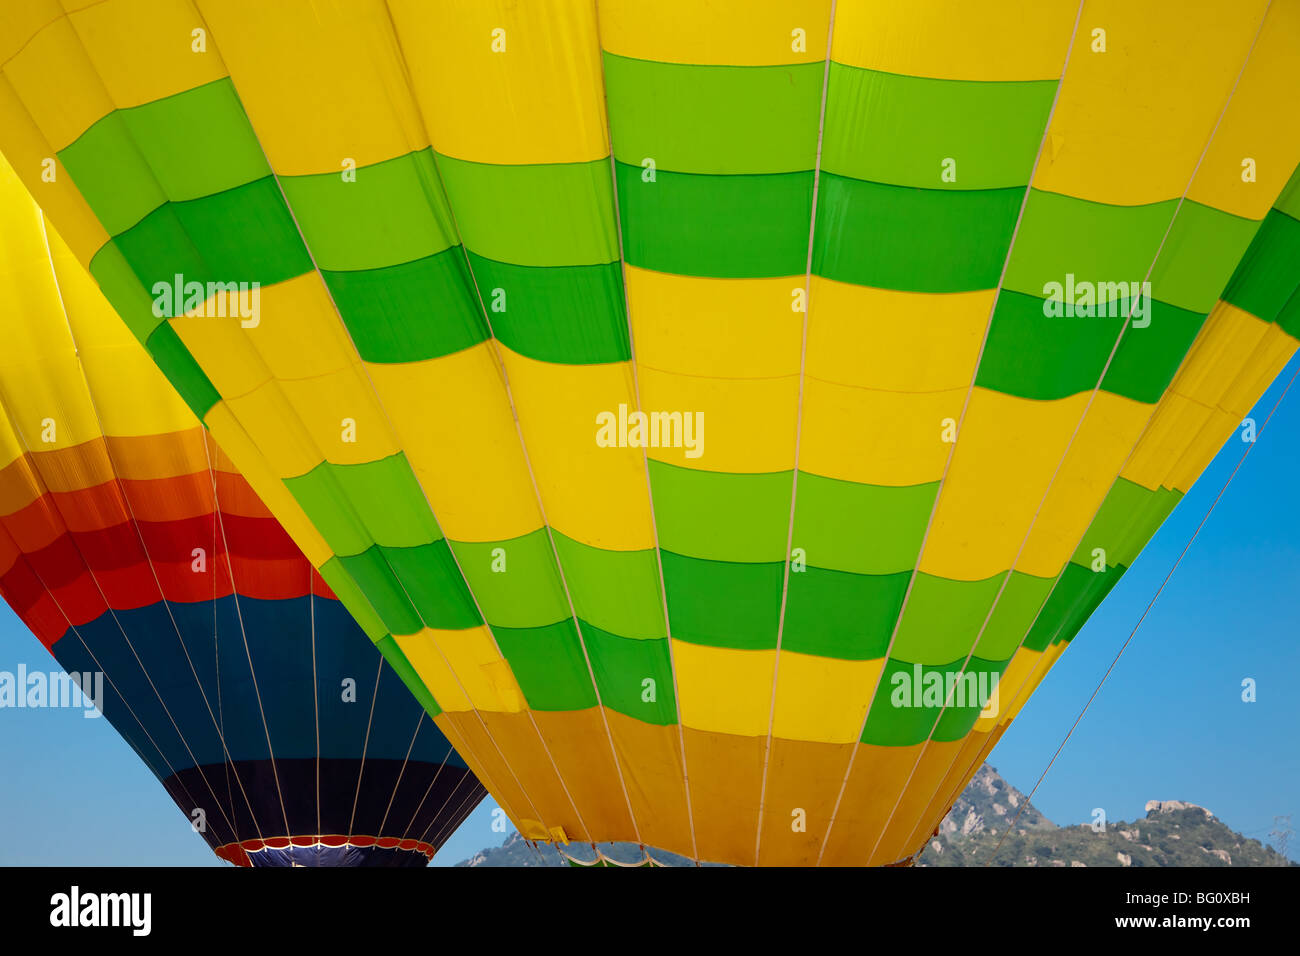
[1173,833]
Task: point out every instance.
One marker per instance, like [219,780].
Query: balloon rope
[1078,427]
[798,439]
[315,678]
[645,453]
[447,823]
[130,515]
[415,815]
[947,465]
[243,633]
[365,749]
[1249,448]
[465,745]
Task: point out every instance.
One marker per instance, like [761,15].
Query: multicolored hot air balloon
[136,553]
[722,415]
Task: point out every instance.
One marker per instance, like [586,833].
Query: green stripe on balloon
[888,725]
[912,240]
[726,227]
[549,665]
[184,147]
[617,591]
[189,380]
[723,604]
[842,615]
[386,504]
[1265,279]
[943,618]
[391,213]
[540,215]
[898,130]
[722,120]
[242,235]
[861,528]
[526,590]
[721,515]
[1198,257]
[623,665]
[570,315]
[1129,515]
[410,312]
[1036,355]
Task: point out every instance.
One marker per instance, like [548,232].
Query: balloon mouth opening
[332,849]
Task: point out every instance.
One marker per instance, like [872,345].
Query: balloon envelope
[722,415]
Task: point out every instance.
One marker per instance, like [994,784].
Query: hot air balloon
[722,415]
[151,570]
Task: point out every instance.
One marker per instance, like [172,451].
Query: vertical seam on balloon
[406,830]
[645,454]
[450,823]
[1083,415]
[365,747]
[970,390]
[454,820]
[243,633]
[393,431]
[537,493]
[103,436]
[402,773]
[559,567]
[216,636]
[798,432]
[315,681]
[388,419]
[428,790]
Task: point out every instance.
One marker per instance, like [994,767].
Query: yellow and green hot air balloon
[704,406]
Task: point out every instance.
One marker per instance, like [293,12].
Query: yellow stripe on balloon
[895,341]
[143,50]
[1021,666]
[27,150]
[462,669]
[297,332]
[59,84]
[1164,79]
[877,437]
[739,703]
[735,32]
[505,82]
[822,699]
[271,422]
[593,494]
[1229,366]
[1250,130]
[1006,451]
[253,466]
[956,39]
[320,83]
[724,328]
[748,424]
[469,462]
[1104,439]
[340,412]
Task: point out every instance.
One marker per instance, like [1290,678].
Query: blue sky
[1169,724]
